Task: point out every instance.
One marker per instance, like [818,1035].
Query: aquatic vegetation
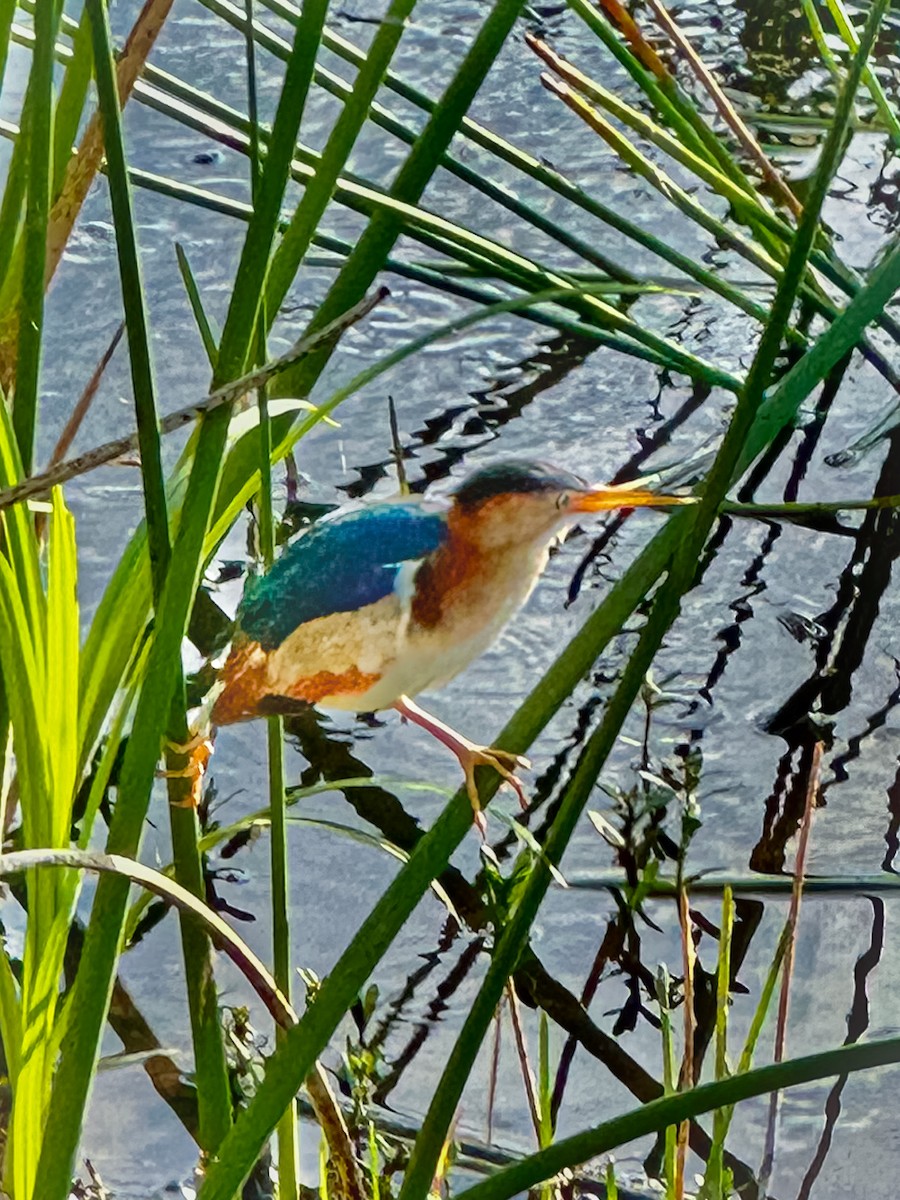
[84,719]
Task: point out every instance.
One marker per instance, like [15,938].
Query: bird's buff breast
[339,661]
[334,661]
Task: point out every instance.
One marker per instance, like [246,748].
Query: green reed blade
[782,402]
[287,1131]
[886,109]
[73,94]
[79,1051]
[240,323]
[669,1110]
[7,12]
[210,1067]
[208,334]
[303,224]
[133,299]
[37,211]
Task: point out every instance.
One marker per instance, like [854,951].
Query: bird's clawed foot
[197,750]
[504,762]
[470,756]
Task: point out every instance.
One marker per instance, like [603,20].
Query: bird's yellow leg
[197,750]
[470,755]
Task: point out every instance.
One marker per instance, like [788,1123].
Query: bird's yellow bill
[624,495]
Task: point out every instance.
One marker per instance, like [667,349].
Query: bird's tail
[241,687]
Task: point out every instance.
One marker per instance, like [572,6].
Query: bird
[374,605]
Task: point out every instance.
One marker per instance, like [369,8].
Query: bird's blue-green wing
[339,566]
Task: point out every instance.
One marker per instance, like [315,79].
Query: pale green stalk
[886,109]
[713,1187]
[670,1076]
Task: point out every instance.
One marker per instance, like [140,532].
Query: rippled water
[788,619]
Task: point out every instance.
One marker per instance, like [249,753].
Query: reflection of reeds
[68,708]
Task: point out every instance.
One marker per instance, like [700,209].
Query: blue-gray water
[508,388]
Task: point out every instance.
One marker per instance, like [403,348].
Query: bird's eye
[562,500]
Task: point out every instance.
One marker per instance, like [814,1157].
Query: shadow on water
[463,429]
[844,633]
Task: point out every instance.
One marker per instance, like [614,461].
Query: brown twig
[631,31]
[493,1073]
[79,412]
[812,791]
[85,162]
[80,172]
[725,108]
[528,1078]
[227,394]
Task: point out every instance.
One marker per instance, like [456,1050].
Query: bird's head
[518,502]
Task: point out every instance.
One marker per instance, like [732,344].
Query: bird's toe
[197,751]
[513,762]
[505,763]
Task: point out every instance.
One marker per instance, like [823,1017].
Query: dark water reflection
[791,638]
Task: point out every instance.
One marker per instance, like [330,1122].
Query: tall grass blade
[210,1067]
[670,1077]
[811,12]
[208,334]
[37,210]
[782,402]
[14,191]
[886,110]
[7,10]
[287,1132]
[73,95]
[298,235]
[132,296]
[241,321]
[10,1019]
[713,1187]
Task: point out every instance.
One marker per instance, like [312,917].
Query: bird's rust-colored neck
[469,566]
